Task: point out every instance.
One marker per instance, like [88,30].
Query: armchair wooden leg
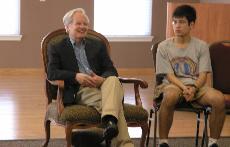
[149,127]
[47,131]
[68,133]
[108,143]
[144,128]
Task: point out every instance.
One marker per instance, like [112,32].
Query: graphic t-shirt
[185,63]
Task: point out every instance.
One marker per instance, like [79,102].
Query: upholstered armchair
[78,116]
[219,79]
[220,57]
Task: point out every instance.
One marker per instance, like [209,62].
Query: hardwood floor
[22,106]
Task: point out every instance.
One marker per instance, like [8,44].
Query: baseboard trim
[135,71]
[20,71]
[36,71]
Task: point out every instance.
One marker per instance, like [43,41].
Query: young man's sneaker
[214,145]
[163,145]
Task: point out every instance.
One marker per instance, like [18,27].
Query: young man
[89,75]
[185,62]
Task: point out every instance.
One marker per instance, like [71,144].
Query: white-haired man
[89,75]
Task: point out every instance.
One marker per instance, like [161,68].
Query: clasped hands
[189,92]
[92,80]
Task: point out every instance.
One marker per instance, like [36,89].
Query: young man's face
[79,27]
[181,27]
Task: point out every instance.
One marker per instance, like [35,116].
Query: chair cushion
[84,114]
[135,113]
[75,113]
[190,107]
[81,114]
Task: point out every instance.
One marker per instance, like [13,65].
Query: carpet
[174,142]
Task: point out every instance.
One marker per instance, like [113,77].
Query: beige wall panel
[213,21]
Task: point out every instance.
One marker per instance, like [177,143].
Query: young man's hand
[189,92]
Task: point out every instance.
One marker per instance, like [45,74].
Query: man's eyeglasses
[179,22]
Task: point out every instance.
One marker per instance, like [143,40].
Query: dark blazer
[62,64]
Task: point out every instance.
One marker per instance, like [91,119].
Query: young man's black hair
[185,11]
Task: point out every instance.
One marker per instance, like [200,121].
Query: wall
[160,17]
[38,18]
[215,1]
[210,18]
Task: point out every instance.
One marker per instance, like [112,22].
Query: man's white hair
[68,17]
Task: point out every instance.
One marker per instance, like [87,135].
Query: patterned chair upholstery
[78,116]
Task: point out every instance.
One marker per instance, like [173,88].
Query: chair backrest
[220,58]
[53,38]
[159,77]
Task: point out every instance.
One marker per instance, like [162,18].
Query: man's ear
[67,29]
[192,24]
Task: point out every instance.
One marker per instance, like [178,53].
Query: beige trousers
[108,101]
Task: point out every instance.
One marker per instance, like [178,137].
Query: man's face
[181,27]
[78,28]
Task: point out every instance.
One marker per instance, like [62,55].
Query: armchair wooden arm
[137,82]
[60,84]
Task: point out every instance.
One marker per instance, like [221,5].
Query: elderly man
[89,75]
